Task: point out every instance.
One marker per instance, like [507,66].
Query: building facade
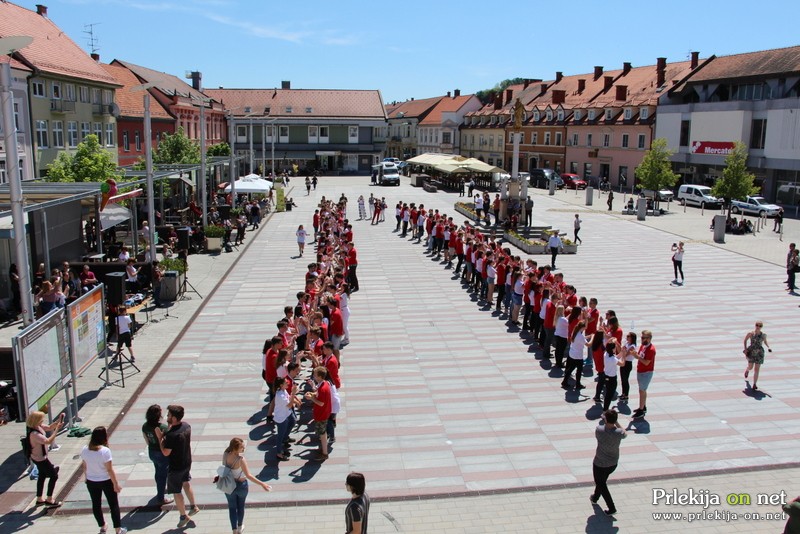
[484,130]
[403,123]
[19,90]
[439,130]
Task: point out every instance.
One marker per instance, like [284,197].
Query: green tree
[89,163]
[220,149]
[483,95]
[176,148]
[736,182]
[655,170]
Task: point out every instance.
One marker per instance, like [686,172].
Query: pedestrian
[308,186]
[792,247]
[352,265]
[609,435]
[301,239]
[496,209]
[160,462]
[357,512]
[101,479]
[321,398]
[792,511]
[629,354]
[644,370]
[176,444]
[577,226]
[607,385]
[232,459]
[528,211]
[577,348]
[677,261]
[777,225]
[314,180]
[610,201]
[40,443]
[158,278]
[285,402]
[555,245]
[124,334]
[471,186]
[362,210]
[255,214]
[754,352]
[478,206]
[792,267]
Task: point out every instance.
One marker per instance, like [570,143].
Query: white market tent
[252,183]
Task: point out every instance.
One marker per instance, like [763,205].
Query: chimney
[661,68]
[96,57]
[412,98]
[581,85]
[622,92]
[509,94]
[448,94]
[525,83]
[626,68]
[598,71]
[456,93]
[695,59]
[559,75]
[559,95]
[197,80]
[41,10]
[498,100]
[608,81]
[542,89]
[286,84]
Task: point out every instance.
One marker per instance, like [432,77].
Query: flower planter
[524,245]
[213,244]
[465,212]
[570,249]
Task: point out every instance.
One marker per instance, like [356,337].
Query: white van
[386,173]
[698,195]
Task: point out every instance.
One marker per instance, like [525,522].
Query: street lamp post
[148,165]
[202,184]
[9,45]
[231,130]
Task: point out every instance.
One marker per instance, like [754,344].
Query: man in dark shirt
[357,511]
[176,445]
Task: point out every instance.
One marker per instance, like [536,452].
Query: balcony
[61,106]
[101,109]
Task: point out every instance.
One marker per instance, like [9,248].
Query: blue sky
[413,48]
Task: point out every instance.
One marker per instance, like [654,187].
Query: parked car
[573,181]
[698,195]
[542,177]
[386,173]
[663,195]
[396,161]
[755,206]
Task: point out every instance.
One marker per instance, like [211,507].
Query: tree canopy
[220,149]
[655,170]
[483,95]
[736,183]
[89,163]
[176,148]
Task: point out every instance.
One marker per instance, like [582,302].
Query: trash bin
[169,286]
[719,228]
[641,209]
[589,198]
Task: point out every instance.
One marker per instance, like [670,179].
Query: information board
[87,330]
[44,358]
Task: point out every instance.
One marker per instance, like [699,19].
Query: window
[352,134]
[490,161]
[625,140]
[108,97]
[109,134]
[587,170]
[549,115]
[324,133]
[536,115]
[547,138]
[628,114]
[609,114]
[500,139]
[642,139]
[577,115]
[283,134]
[309,110]
[499,162]
[269,134]
[84,94]
[588,139]
[591,115]
[241,133]
[558,166]
[573,167]
[560,114]
[758,134]
[126,145]
[644,113]
[288,109]
[58,134]
[72,134]
[313,134]
[3,172]
[95,95]
[547,164]
[98,132]
[69,92]
[491,141]
[138,140]
[574,141]
[558,139]
[686,127]
[623,175]
[86,129]
[41,134]
[38,89]
[535,138]
[606,140]
[447,138]
[55,87]
[16,116]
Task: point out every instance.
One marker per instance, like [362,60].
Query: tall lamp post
[148,159]
[9,45]
[233,172]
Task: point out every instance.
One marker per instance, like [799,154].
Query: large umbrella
[251,183]
[433,158]
[451,168]
[476,165]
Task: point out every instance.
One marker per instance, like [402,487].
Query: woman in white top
[362,210]
[491,277]
[560,334]
[677,261]
[629,355]
[285,401]
[101,479]
[344,307]
[608,380]
[301,238]
[233,459]
[577,348]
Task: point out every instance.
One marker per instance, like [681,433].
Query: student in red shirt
[352,264]
[335,324]
[549,330]
[321,398]
[331,364]
[646,355]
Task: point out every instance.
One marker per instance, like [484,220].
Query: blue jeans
[161,463]
[236,504]
[283,432]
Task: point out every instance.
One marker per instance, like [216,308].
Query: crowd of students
[567,327]
[312,333]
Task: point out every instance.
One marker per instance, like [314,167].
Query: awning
[328,153]
[113,215]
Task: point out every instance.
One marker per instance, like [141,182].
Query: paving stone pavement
[442,398]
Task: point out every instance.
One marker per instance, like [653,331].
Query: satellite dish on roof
[114,110]
[9,45]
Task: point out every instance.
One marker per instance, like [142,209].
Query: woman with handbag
[233,460]
[754,352]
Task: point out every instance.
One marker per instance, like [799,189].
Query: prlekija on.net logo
[706,498]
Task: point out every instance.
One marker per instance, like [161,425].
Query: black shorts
[175,480]
[124,339]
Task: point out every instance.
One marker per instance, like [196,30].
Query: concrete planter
[213,244]
[469,215]
[570,249]
[523,245]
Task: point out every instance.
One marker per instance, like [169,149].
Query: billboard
[87,329]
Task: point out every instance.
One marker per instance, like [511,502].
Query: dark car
[541,178]
[573,181]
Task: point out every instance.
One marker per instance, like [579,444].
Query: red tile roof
[773,62]
[51,51]
[14,63]
[131,103]
[413,108]
[166,83]
[443,106]
[641,83]
[303,102]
